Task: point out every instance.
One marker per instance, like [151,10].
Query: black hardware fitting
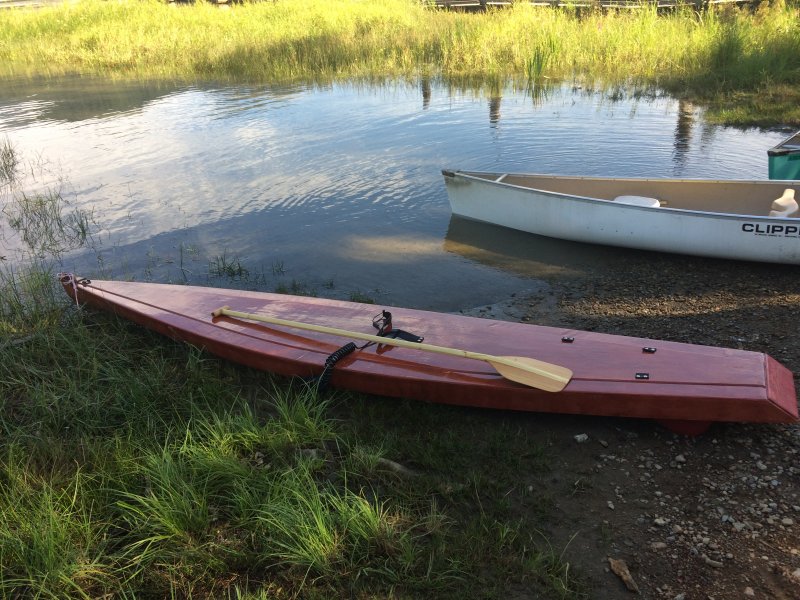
[567,340]
[383,323]
[649,350]
[643,376]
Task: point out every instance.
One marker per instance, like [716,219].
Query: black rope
[330,363]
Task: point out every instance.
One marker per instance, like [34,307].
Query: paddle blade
[532,372]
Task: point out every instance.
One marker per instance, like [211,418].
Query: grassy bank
[746,64]
[133,466]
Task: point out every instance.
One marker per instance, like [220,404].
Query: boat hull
[600,221]
[784,159]
[613,375]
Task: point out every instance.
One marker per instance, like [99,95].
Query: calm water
[338,189]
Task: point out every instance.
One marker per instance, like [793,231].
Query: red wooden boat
[685,386]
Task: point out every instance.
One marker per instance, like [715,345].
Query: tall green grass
[744,62]
[132,466]
[322,39]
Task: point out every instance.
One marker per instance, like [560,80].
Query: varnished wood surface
[685,382]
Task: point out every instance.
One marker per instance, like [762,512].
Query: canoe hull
[784,159]
[599,221]
[683,382]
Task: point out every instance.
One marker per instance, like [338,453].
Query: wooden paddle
[528,371]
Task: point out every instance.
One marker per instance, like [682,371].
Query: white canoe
[745,220]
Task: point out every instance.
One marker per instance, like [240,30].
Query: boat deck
[613,375]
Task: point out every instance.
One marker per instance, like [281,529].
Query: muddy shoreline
[709,517]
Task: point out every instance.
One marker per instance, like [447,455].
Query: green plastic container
[784,159]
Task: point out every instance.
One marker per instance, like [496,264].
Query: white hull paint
[603,221]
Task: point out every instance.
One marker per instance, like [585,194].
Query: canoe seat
[785,206]
[638,201]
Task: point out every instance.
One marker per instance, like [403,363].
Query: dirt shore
[708,517]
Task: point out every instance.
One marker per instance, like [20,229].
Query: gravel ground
[710,517]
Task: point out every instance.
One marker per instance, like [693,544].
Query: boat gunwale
[603,201]
[791,145]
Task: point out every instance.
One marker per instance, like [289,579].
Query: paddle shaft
[376,338]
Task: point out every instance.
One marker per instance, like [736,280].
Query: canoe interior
[613,375]
[733,197]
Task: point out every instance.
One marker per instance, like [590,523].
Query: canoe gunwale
[622,207]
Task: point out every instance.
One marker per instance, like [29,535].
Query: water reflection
[71,100]
[494,109]
[342,182]
[425,87]
[683,133]
[526,254]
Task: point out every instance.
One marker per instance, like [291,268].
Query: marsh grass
[9,163]
[36,230]
[132,466]
[359,296]
[46,228]
[704,54]
[227,266]
[296,287]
